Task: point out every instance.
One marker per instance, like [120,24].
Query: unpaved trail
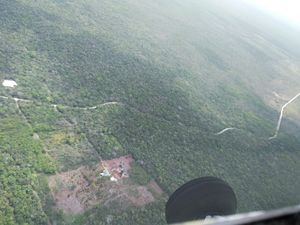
[281,115]
[22,100]
[224,130]
[119,103]
[67,106]
[3,97]
[17,100]
[95,106]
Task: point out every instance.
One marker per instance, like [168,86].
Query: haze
[108,107]
[287,10]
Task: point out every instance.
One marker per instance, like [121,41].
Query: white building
[9,83]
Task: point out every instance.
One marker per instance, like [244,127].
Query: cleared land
[78,190]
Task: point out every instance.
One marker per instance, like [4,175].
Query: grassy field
[155,80]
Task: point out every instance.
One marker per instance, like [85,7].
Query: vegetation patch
[62,139]
[21,161]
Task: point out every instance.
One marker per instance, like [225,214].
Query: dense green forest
[157,80]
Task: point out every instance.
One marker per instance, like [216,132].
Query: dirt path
[91,107]
[281,115]
[67,106]
[17,100]
[224,130]
[3,97]
[119,103]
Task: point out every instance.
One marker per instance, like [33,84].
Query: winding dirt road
[224,130]
[281,115]
[118,103]
[67,106]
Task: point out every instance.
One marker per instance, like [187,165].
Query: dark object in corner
[199,198]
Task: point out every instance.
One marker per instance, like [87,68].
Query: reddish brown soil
[143,197]
[67,200]
[68,186]
[154,186]
[77,190]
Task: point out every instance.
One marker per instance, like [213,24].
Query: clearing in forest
[76,190]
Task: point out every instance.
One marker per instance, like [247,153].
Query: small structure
[118,167]
[9,83]
[105,173]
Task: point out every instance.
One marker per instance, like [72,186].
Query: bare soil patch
[76,190]
[154,186]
